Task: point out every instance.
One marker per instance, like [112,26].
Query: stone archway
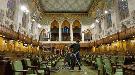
[76,30]
[43,35]
[54,31]
[65,30]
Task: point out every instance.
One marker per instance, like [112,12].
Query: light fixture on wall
[33,20]
[123,0]
[92,26]
[25,44]
[97,21]
[24,9]
[39,26]
[106,11]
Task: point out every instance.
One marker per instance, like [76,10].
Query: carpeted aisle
[65,71]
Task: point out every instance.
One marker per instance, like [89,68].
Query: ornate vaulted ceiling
[66,6]
[60,6]
[84,10]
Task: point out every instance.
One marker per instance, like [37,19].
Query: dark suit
[75,50]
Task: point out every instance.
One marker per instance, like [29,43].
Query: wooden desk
[129,69]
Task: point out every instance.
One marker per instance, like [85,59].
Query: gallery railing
[10,34]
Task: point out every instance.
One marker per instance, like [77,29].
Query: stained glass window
[32,27]
[65,33]
[1,15]
[100,28]
[54,31]
[109,20]
[11,5]
[25,20]
[43,35]
[123,9]
[65,29]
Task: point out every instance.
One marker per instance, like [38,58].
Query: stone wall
[5,6]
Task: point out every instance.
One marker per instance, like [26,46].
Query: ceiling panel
[65,5]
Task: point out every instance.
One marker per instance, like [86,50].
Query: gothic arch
[43,35]
[76,23]
[65,23]
[87,35]
[76,30]
[65,27]
[54,24]
[54,31]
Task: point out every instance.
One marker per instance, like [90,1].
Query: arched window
[76,30]
[32,27]
[11,5]
[109,20]
[25,20]
[87,35]
[54,31]
[65,31]
[43,35]
[109,4]
[123,9]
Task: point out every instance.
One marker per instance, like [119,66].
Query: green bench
[99,63]
[17,68]
[35,69]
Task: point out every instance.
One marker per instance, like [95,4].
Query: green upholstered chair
[52,61]
[119,73]
[120,62]
[107,66]
[87,58]
[90,58]
[17,68]
[49,64]
[113,60]
[99,63]
[36,69]
[93,58]
[43,66]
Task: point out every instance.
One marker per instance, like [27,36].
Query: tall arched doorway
[65,31]
[43,35]
[54,31]
[76,30]
[87,35]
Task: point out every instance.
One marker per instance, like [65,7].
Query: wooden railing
[10,34]
[123,35]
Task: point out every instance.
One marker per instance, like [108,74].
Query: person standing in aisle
[75,56]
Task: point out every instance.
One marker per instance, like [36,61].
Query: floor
[86,70]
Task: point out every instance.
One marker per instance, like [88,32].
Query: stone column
[71,31]
[60,33]
[81,32]
[82,37]
[115,16]
[49,32]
